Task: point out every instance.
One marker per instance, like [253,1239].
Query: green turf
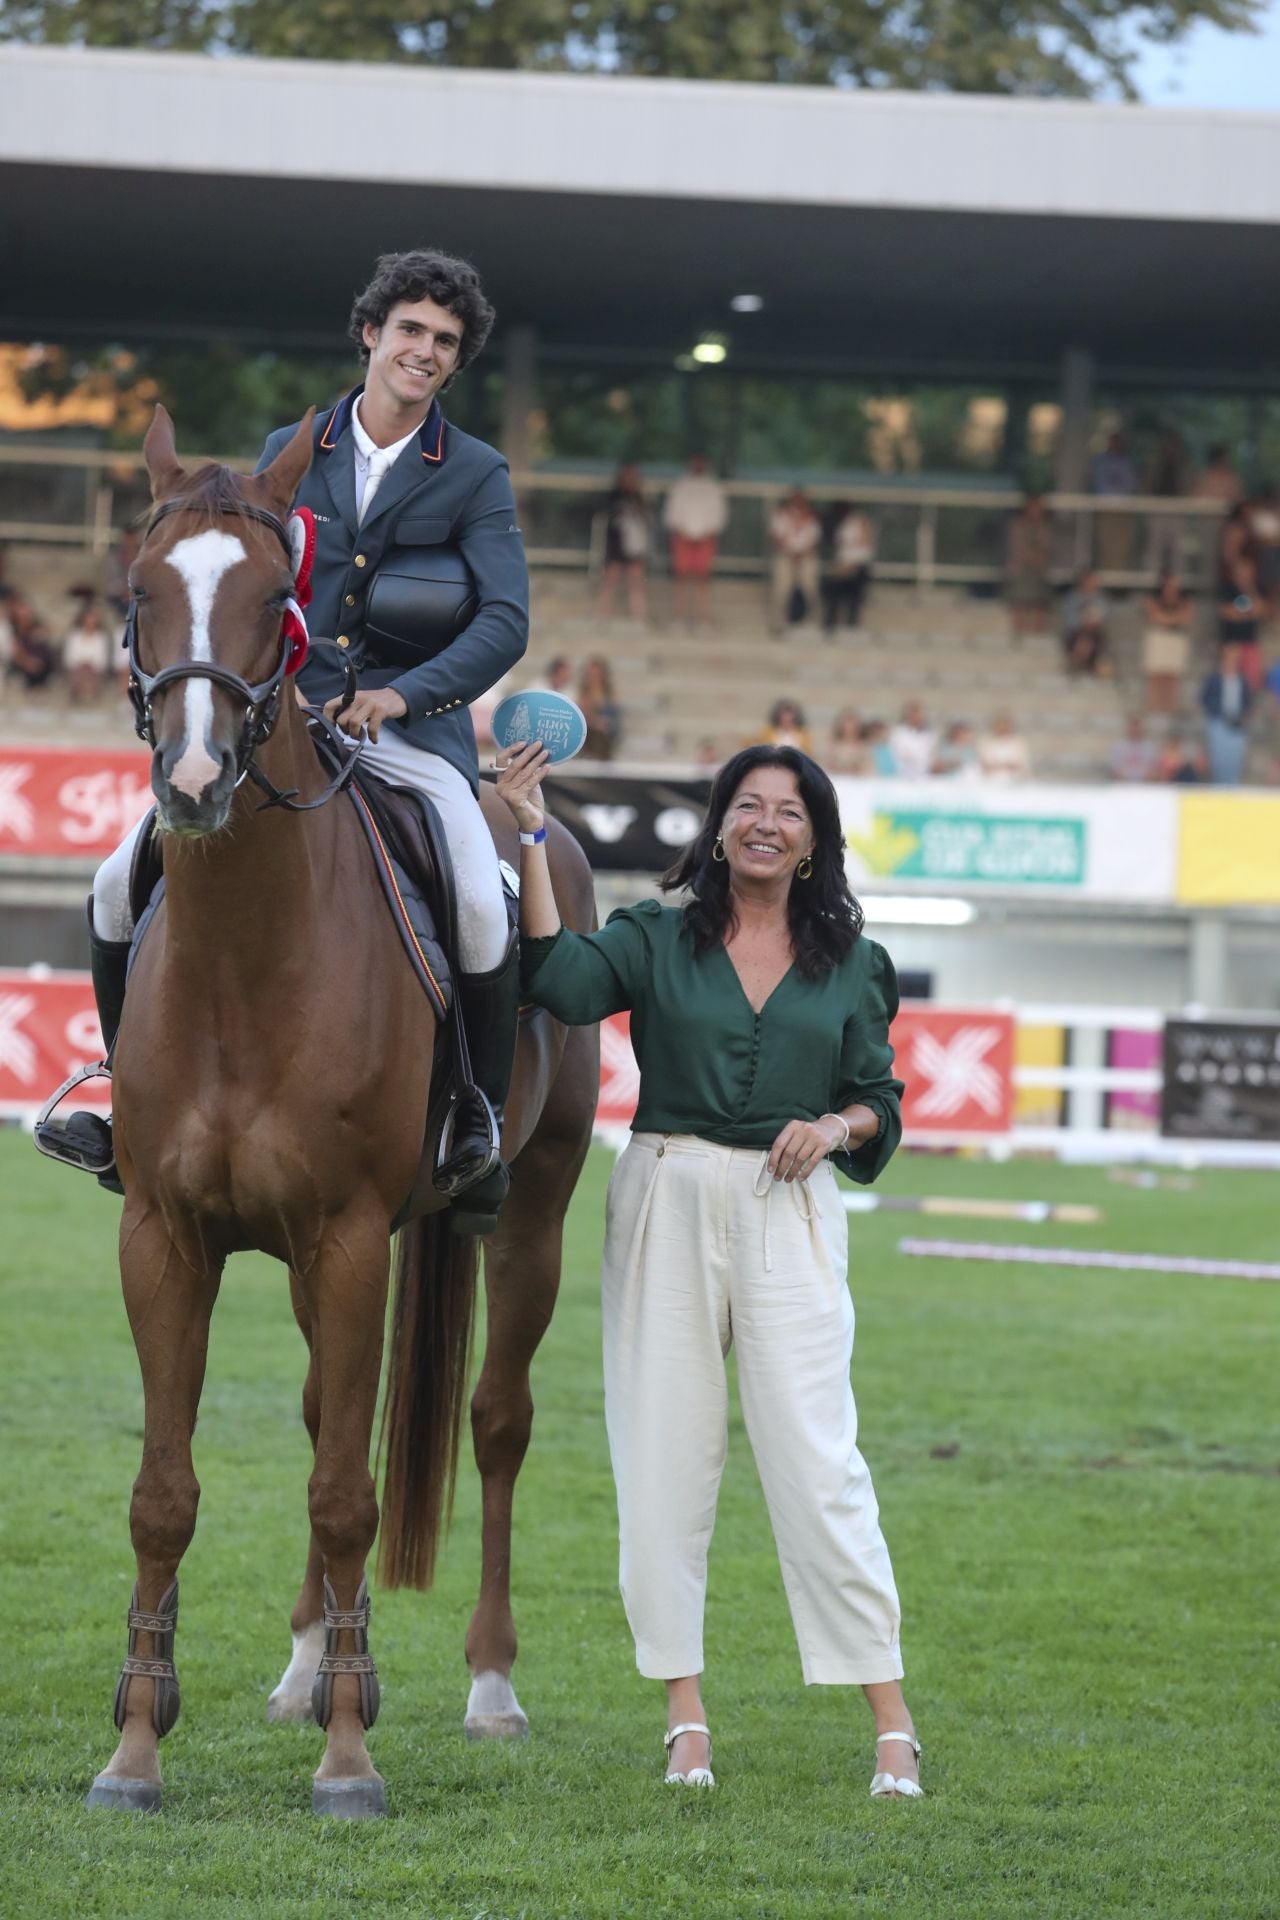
[1078,1480]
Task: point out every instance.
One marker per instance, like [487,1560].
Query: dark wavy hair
[425,275]
[825,918]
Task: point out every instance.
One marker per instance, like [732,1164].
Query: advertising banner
[1229,850]
[70,801]
[945,836]
[1221,1080]
[628,823]
[48,1031]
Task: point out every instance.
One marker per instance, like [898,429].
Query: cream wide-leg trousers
[703,1251]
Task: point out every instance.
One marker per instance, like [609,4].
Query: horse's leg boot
[490,1004]
[84,1139]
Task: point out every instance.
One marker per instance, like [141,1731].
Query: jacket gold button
[360,560]
[343,640]
[351,600]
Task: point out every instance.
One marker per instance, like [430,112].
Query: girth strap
[353,1620]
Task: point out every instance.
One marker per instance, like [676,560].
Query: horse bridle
[262,702]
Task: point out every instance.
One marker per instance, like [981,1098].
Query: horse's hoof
[284,1707]
[496,1726]
[116,1790]
[493,1712]
[362,1799]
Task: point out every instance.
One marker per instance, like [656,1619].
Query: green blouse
[711,1065]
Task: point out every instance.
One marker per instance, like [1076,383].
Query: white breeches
[703,1251]
[482,911]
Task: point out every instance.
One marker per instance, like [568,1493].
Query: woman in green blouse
[759,1017]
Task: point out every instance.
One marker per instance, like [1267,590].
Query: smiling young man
[391,477]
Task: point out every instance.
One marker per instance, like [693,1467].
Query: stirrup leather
[354,1620]
[159,1668]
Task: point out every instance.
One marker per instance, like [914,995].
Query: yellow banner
[1229,850]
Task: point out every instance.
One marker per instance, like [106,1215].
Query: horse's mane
[213,491]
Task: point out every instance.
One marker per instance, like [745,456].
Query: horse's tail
[435,1290]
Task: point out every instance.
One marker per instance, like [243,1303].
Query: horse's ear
[160,452]
[284,476]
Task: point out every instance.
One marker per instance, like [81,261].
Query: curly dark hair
[425,275]
[824,916]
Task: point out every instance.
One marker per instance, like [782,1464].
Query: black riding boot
[84,1139]
[490,1005]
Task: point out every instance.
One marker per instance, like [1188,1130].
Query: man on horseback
[390,483]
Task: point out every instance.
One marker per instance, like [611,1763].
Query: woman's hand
[521,769]
[802,1144]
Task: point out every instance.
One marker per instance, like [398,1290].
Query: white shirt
[696,507]
[913,750]
[1004,757]
[373,461]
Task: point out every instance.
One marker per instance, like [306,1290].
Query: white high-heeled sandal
[884,1786]
[696,1776]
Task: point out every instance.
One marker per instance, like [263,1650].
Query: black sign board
[626,823]
[1221,1080]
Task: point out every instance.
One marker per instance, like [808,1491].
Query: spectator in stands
[7,588]
[1236,546]
[626,546]
[558,677]
[1219,480]
[875,740]
[1112,475]
[32,656]
[1028,560]
[86,655]
[847,752]
[913,742]
[786,727]
[600,709]
[853,552]
[1240,616]
[1002,753]
[1264,525]
[795,535]
[1135,757]
[1226,698]
[956,756]
[1170,478]
[1166,643]
[1084,626]
[695,515]
[707,753]
[1180,765]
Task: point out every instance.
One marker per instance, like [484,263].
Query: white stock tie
[379,461]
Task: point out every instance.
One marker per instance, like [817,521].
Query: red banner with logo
[70,801]
[958,1070]
[48,1031]
[958,1066]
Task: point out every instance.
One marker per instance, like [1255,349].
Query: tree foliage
[1063,48]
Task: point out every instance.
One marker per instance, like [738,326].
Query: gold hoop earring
[717,850]
[805,868]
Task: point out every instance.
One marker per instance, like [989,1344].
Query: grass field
[1078,1480]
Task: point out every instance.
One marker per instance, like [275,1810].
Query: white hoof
[292,1698]
[493,1712]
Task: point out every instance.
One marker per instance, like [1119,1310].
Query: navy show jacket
[445,489]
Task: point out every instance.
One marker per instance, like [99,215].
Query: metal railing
[82,499]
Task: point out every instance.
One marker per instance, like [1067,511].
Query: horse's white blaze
[201,561]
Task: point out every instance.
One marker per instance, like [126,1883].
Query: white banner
[945,836]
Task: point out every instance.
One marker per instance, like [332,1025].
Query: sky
[1216,69]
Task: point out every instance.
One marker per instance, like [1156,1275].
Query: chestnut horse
[270,1091]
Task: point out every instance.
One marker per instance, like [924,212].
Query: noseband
[261,702]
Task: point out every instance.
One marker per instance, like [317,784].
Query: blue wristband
[533,839]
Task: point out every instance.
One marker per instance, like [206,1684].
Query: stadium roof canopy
[175,196]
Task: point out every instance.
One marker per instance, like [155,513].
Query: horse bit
[262,702]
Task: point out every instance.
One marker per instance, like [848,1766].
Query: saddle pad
[410,909]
